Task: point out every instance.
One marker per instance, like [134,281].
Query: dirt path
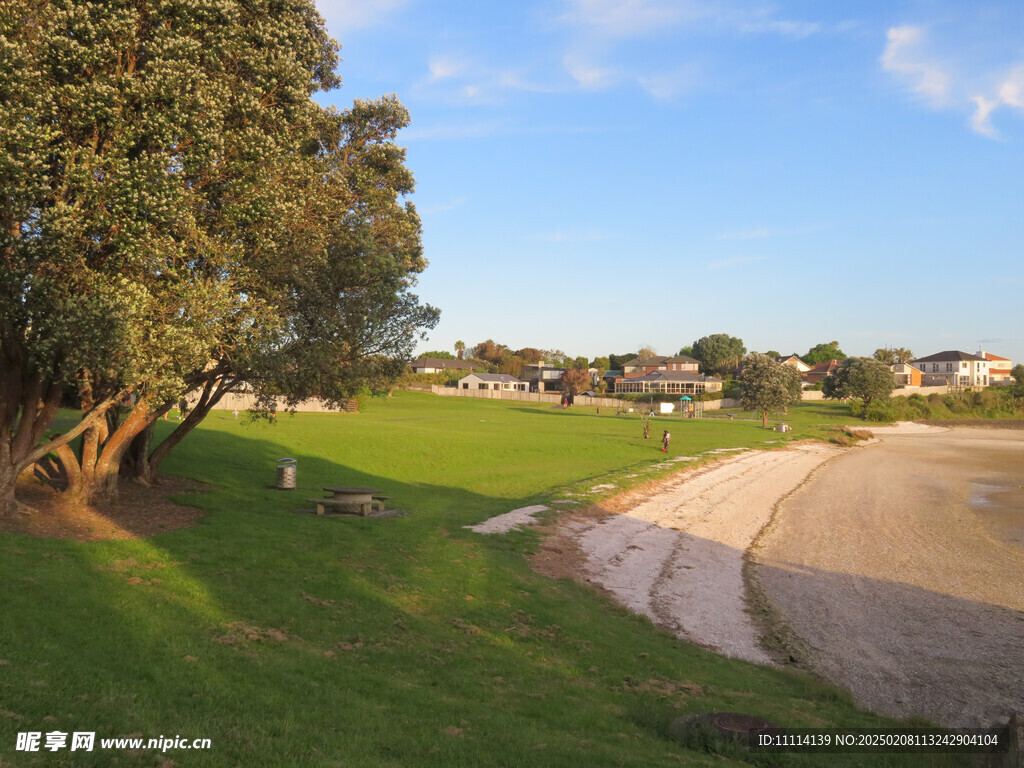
[901,566]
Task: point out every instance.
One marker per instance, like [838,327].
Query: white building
[954,369]
[499,381]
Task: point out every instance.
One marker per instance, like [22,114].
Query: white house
[998,368]
[954,369]
[499,381]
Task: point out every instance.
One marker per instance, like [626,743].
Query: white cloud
[445,67]
[345,15]
[630,18]
[1009,93]
[945,86]
[980,120]
[666,86]
[600,26]
[590,77]
[904,57]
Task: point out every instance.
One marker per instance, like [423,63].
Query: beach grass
[291,640]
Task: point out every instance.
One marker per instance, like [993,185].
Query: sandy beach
[901,568]
[898,565]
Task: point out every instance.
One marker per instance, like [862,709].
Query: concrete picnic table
[347,499]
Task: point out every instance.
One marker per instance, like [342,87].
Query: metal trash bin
[286,474]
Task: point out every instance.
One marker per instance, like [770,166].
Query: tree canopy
[768,386]
[178,215]
[893,355]
[823,352]
[718,352]
[861,377]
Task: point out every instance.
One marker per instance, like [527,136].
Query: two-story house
[668,375]
[953,369]
[640,366]
[998,369]
[542,377]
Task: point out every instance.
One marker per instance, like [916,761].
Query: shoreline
[787,557]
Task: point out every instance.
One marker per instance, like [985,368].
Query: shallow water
[1000,505]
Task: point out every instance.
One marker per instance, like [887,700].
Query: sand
[901,568]
[896,567]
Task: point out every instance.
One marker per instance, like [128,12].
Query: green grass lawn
[290,640]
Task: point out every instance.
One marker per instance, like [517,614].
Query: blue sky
[598,175]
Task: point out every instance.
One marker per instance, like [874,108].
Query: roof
[673,376]
[638,362]
[437,362]
[784,358]
[826,365]
[502,377]
[990,356]
[941,357]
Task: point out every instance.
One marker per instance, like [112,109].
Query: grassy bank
[295,641]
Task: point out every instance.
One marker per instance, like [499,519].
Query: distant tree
[768,385]
[820,353]
[601,363]
[581,363]
[618,362]
[861,377]
[530,355]
[460,348]
[718,352]
[511,364]
[575,380]
[438,355]
[773,354]
[1017,388]
[490,351]
[893,355]
[646,352]
[556,356]
[686,351]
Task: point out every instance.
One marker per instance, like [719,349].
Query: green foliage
[1017,388]
[618,362]
[861,377]
[823,352]
[718,352]
[438,355]
[893,355]
[989,403]
[179,215]
[436,646]
[768,386]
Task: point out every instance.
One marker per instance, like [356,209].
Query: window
[482,385]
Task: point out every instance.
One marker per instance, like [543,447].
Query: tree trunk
[764,419]
[213,392]
[8,479]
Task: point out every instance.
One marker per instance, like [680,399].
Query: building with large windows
[669,382]
[954,369]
